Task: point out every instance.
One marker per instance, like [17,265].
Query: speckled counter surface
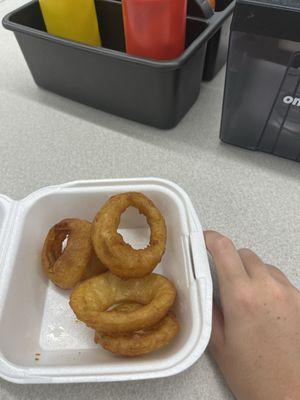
[253,197]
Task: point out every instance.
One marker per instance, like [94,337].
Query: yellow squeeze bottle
[72,19]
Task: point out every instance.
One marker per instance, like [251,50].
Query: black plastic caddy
[151,92]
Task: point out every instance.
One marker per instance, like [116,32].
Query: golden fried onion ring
[119,257]
[140,342]
[91,299]
[77,261]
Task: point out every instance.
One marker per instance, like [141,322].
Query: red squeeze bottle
[155,28]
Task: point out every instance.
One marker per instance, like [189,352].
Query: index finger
[229,266]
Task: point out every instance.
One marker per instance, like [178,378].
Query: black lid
[275,18]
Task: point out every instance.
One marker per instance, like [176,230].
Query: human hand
[256,335]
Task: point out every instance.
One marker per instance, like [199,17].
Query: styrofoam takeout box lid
[40,339]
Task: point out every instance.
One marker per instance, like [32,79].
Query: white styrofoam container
[35,316]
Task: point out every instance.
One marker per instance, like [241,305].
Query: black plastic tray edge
[213,24]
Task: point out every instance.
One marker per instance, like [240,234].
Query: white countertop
[252,197]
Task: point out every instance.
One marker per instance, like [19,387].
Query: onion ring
[91,299]
[140,342]
[77,261]
[119,257]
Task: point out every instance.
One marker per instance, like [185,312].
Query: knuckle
[244,297]
[278,292]
[245,252]
[222,243]
[275,289]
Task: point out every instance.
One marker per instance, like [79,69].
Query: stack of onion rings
[128,306]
